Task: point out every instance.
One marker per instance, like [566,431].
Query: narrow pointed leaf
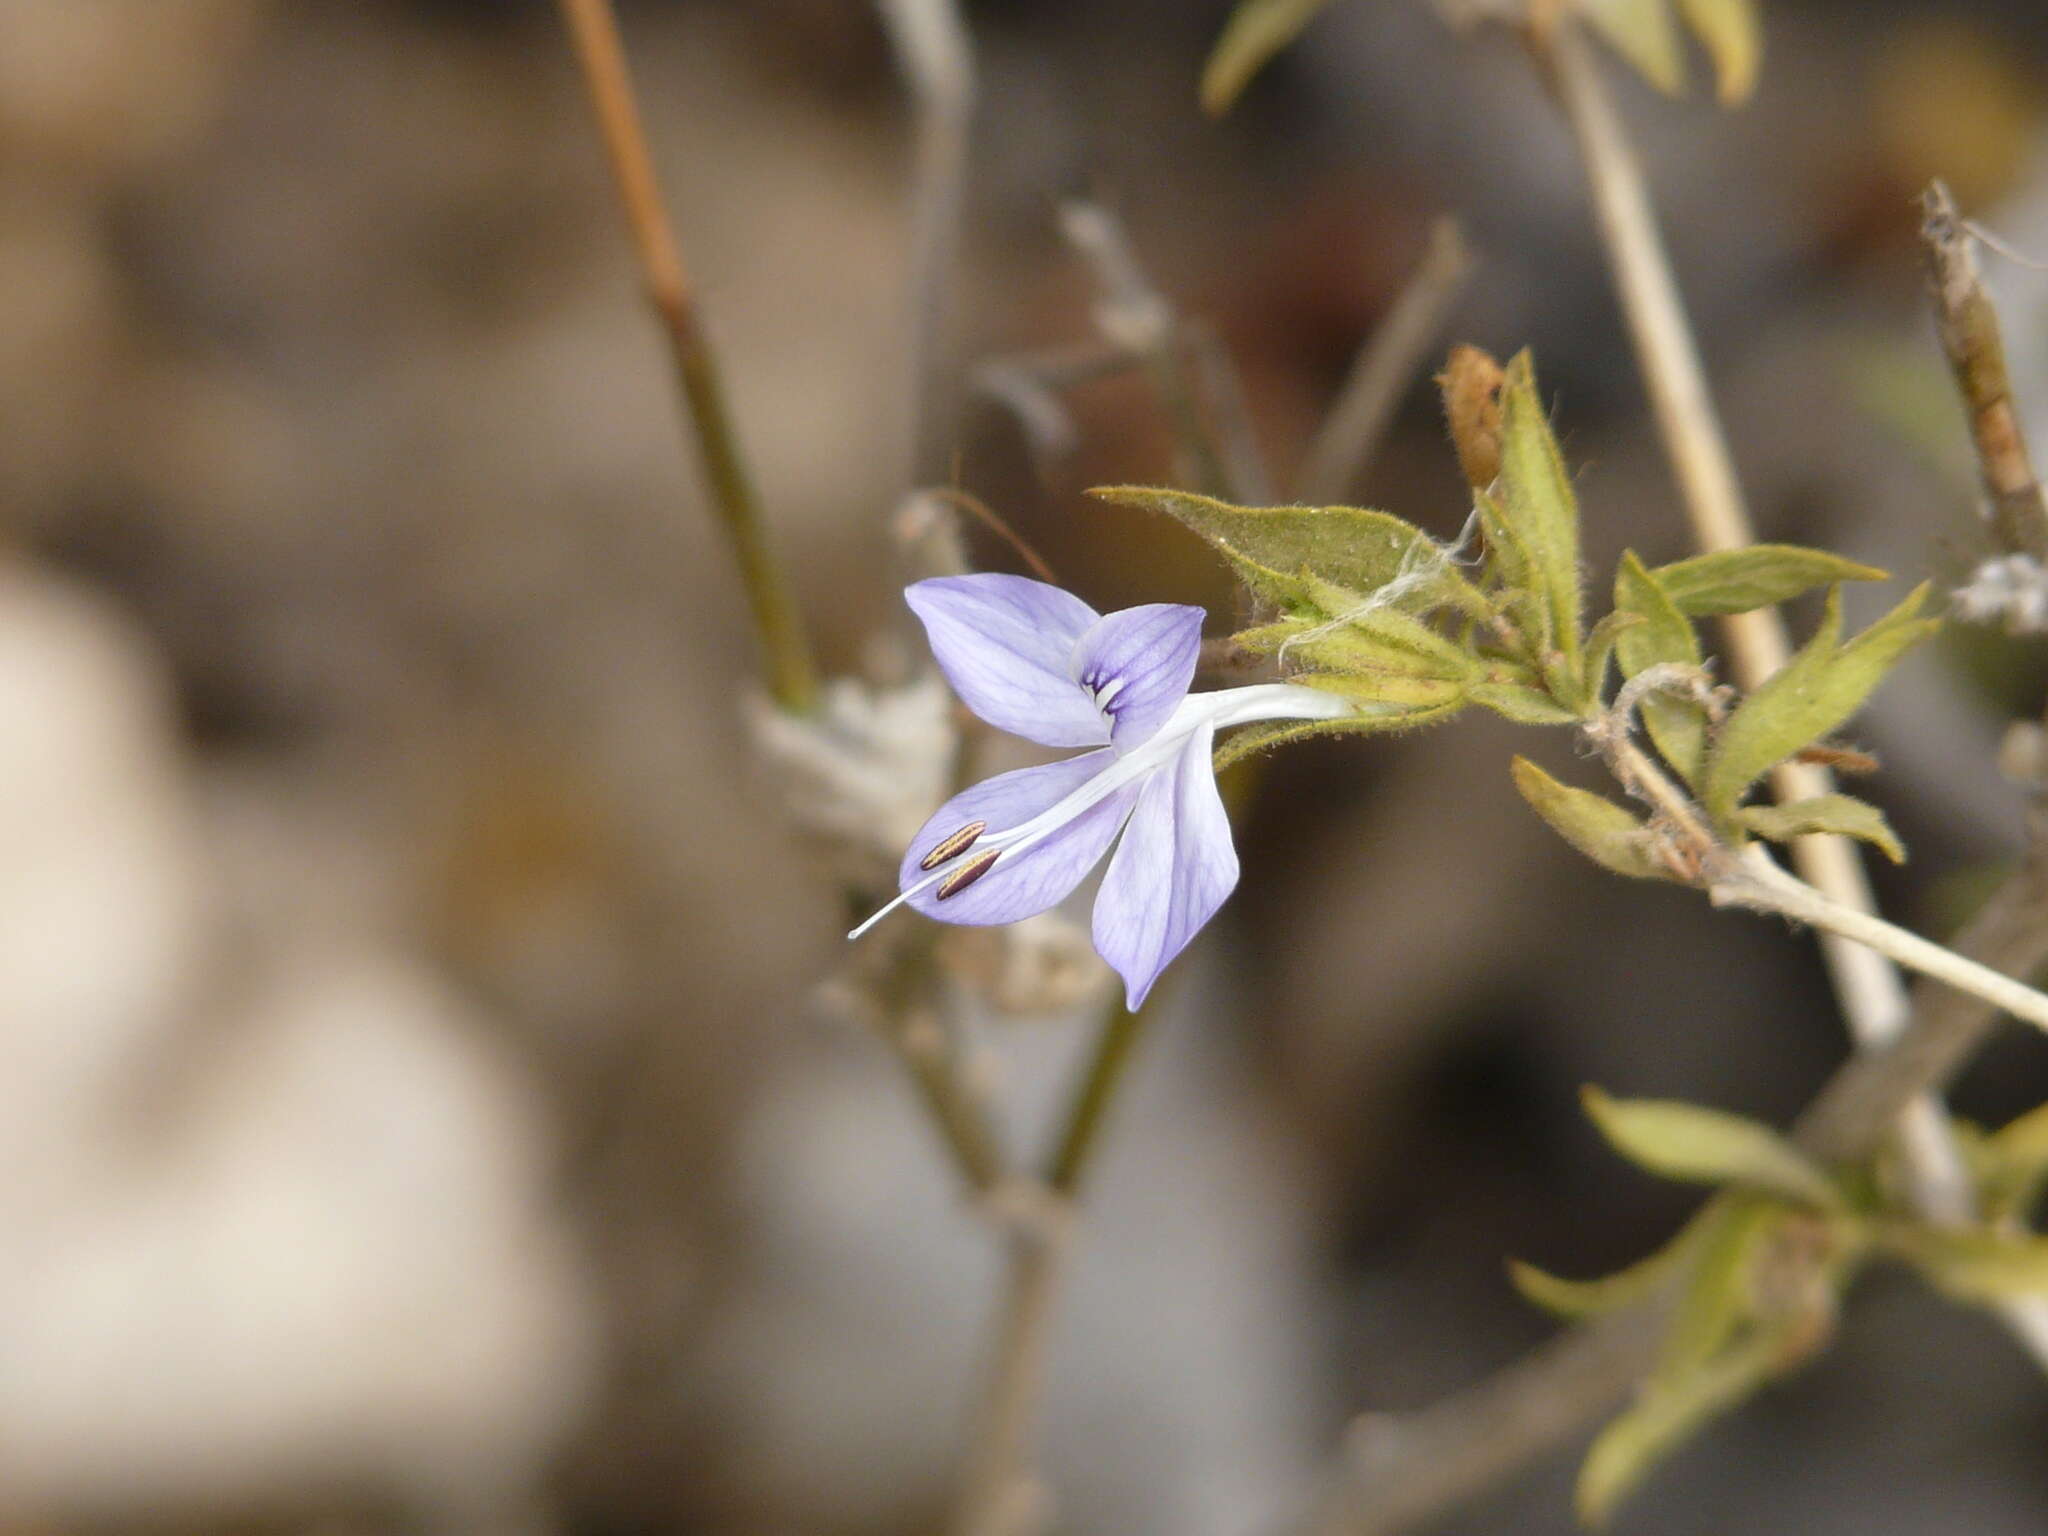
[1719,1294]
[1362,551]
[1523,705]
[1600,645]
[1256,31]
[1573,1299]
[1667,1415]
[1812,694]
[1759,576]
[1708,1146]
[1734,39]
[1643,32]
[1537,501]
[1843,814]
[1511,567]
[1254,739]
[1603,831]
[1678,726]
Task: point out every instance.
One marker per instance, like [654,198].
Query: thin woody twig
[1001,1493]
[1384,368]
[778,626]
[936,55]
[1133,314]
[1761,886]
[1971,339]
[1222,390]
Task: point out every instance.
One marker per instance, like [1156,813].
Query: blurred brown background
[415,1113]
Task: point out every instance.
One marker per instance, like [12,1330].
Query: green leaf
[1844,814]
[1720,1295]
[1574,1299]
[1642,32]
[1537,502]
[1678,726]
[2012,1165]
[1349,547]
[1812,694]
[1974,1266]
[1758,576]
[1256,31]
[1600,646]
[1254,739]
[1378,641]
[1668,1414]
[1603,831]
[1734,38]
[1523,705]
[1708,1146]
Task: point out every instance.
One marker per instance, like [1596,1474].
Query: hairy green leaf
[1537,502]
[1254,739]
[1665,636]
[1642,32]
[1812,694]
[1600,643]
[1348,547]
[1708,1146]
[1758,576]
[1603,831]
[1844,814]
[1256,31]
[1734,38]
[1523,705]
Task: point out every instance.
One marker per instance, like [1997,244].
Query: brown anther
[968,873]
[952,846]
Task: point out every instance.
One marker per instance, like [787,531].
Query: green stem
[594,29]
[1115,1045]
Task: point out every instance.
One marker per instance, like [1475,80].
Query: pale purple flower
[1039,663]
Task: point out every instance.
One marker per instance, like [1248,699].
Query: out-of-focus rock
[272,1232]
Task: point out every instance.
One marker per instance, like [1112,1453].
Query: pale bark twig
[1970,338]
[936,56]
[1384,368]
[778,626]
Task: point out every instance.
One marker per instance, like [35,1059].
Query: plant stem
[937,59]
[777,625]
[1763,887]
[1871,995]
[1115,1046]
[1384,368]
[1135,316]
[1975,348]
[1000,1493]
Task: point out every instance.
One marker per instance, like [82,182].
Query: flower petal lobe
[1004,643]
[1137,664]
[1173,869]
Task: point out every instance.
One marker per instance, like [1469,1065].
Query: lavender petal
[1004,643]
[1138,663]
[1171,872]
[1025,883]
